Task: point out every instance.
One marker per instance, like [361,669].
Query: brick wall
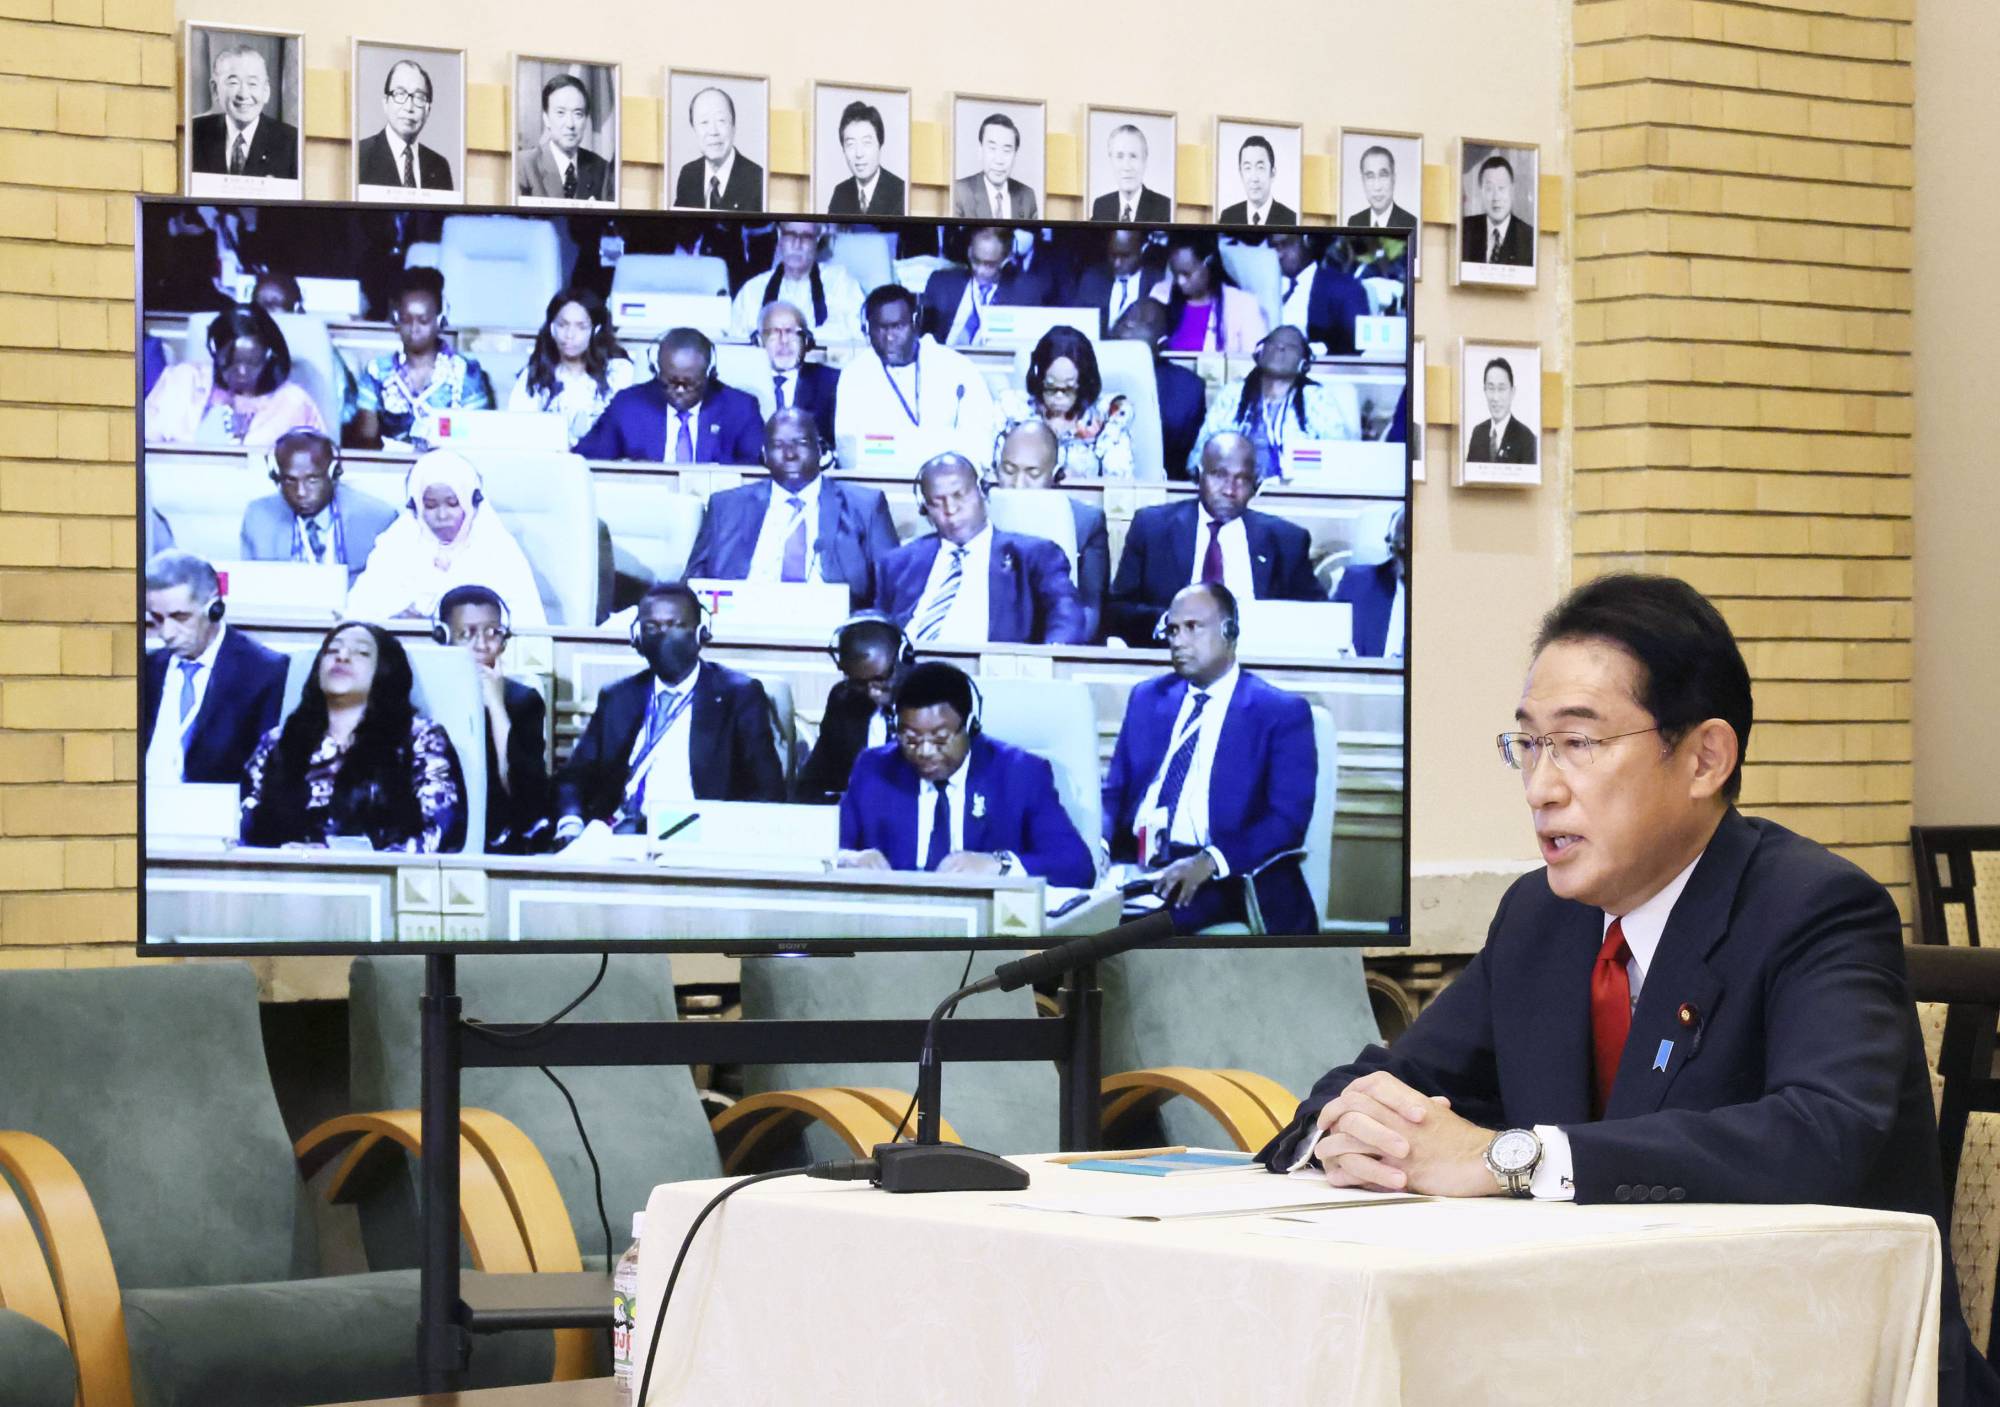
[86,121]
[1743,371]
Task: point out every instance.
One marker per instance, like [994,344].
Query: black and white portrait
[1258,171]
[565,131]
[1498,183]
[244,134]
[861,149]
[999,157]
[1381,184]
[409,123]
[718,140]
[1500,414]
[1132,157]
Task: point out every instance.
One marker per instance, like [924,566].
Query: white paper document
[1164,1199]
[1454,1227]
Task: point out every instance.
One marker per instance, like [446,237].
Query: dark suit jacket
[377,166]
[1030,598]
[241,704]
[1804,1078]
[730,428]
[1399,218]
[267,531]
[1517,444]
[843,735]
[1095,285]
[1013,805]
[538,175]
[854,534]
[1183,406]
[944,289]
[1159,555]
[1337,300]
[514,812]
[1517,248]
[1371,591]
[745,190]
[816,387]
[1093,564]
[846,199]
[1239,214]
[1260,795]
[1154,207]
[274,151]
[968,199]
[731,751]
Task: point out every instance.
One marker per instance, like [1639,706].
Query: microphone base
[944,1167]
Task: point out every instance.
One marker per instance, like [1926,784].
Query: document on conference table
[1254,1194]
[1448,1227]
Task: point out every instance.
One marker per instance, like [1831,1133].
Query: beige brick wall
[1743,374]
[86,122]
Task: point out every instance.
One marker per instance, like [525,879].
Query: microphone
[958,405]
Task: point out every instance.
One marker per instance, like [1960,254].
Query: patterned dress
[457,383]
[434,776]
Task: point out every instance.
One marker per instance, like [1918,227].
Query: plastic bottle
[624,1310]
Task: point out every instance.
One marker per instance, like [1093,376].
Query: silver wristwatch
[1512,1157]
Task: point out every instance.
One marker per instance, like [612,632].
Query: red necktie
[1610,1015]
[1211,561]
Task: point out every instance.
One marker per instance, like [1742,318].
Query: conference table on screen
[830,1291]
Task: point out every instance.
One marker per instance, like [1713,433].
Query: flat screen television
[437,510]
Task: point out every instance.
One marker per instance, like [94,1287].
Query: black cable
[596,1173]
[521,1037]
[903,1124]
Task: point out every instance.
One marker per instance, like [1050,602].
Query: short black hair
[672,591]
[472,595]
[883,296]
[932,683]
[1690,669]
[1384,153]
[1503,364]
[305,437]
[1058,342]
[1496,163]
[1258,139]
[686,339]
[858,111]
[421,279]
[240,320]
[567,80]
[389,78]
[869,632]
[998,119]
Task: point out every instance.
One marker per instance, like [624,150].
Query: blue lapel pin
[1661,1055]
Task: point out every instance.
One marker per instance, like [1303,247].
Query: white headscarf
[411,566]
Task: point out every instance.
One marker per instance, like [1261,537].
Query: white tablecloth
[837,1293]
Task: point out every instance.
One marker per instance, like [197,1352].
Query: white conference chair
[1127,370]
[1255,269]
[548,501]
[1055,719]
[745,367]
[499,270]
[203,501]
[870,255]
[670,273]
[652,528]
[1042,513]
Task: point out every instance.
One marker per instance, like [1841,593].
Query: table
[589,1392]
[838,1293]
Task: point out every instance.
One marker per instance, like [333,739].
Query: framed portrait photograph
[1498,186]
[1258,170]
[1417,426]
[409,123]
[1500,414]
[718,141]
[1133,158]
[1380,176]
[999,157]
[565,131]
[245,132]
[861,149]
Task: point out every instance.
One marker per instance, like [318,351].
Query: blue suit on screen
[728,429]
[1030,597]
[1371,591]
[242,703]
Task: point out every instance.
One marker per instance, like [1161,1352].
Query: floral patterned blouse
[457,383]
[434,774]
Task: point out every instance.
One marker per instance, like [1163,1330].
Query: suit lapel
[919,573]
[751,525]
[1187,527]
[1257,541]
[834,559]
[978,773]
[708,757]
[1553,1030]
[905,786]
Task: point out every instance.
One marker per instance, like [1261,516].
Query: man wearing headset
[210,692]
[517,774]
[1211,783]
[792,380]
[873,655]
[1027,458]
[682,416]
[943,796]
[797,525]
[680,730]
[313,518]
[907,392]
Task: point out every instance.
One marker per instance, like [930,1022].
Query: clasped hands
[1381,1134]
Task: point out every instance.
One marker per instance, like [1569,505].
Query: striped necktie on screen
[190,670]
[947,592]
[409,169]
[1177,769]
[794,568]
[236,156]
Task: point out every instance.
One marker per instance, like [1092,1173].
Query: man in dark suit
[238,139]
[517,774]
[1131,201]
[1182,394]
[1124,278]
[1028,459]
[1378,184]
[682,416]
[560,166]
[1317,297]
[1216,536]
[1683,1003]
[868,189]
[394,156]
[813,387]
[226,689]
[681,730]
[1378,594]
[1213,777]
[954,299]
[1501,439]
[992,193]
[873,655]
[721,178]
[942,796]
[1257,164]
[797,525]
[313,517]
[933,587]
[1495,235]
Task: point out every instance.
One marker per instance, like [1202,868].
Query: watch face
[1515,1150]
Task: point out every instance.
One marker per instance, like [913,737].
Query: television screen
[715,582]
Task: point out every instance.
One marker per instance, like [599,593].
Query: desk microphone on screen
[930,1165]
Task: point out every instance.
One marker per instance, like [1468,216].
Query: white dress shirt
[323,520]
[1299,301]
[997,201]
[248,134]
[1126,289]
[717,178]
[1379,220]
[1191,814]
[843,304]
[1235,541]
[564,164]
[984,293]
[1392,639]
[1258,214]
[670,775]
[767,562]
[397,146]
[967,622]
[165,762]
[863,194]
[1495,234]
[954,789]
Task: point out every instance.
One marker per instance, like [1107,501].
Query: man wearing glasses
[517,776]
[792,382]
[394,156]
[1683,1003]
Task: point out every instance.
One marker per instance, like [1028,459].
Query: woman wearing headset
[1279,403]
[577,365]
[447,535]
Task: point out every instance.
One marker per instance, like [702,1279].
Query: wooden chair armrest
[25,1286]
[891,1104]
[81,1262]
[860,1122]
[1242,1116]
[1280,1103]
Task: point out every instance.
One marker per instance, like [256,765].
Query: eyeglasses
[408,97]
[1523,751]
[485,634]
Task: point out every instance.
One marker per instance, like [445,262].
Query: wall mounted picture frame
[408,122]
[1132,163]
[999,157]
[718,141]
[1379,184]
[1499,194]
[244,116]
[861,149]
[1259,171]
[1500,414]
[566,131]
